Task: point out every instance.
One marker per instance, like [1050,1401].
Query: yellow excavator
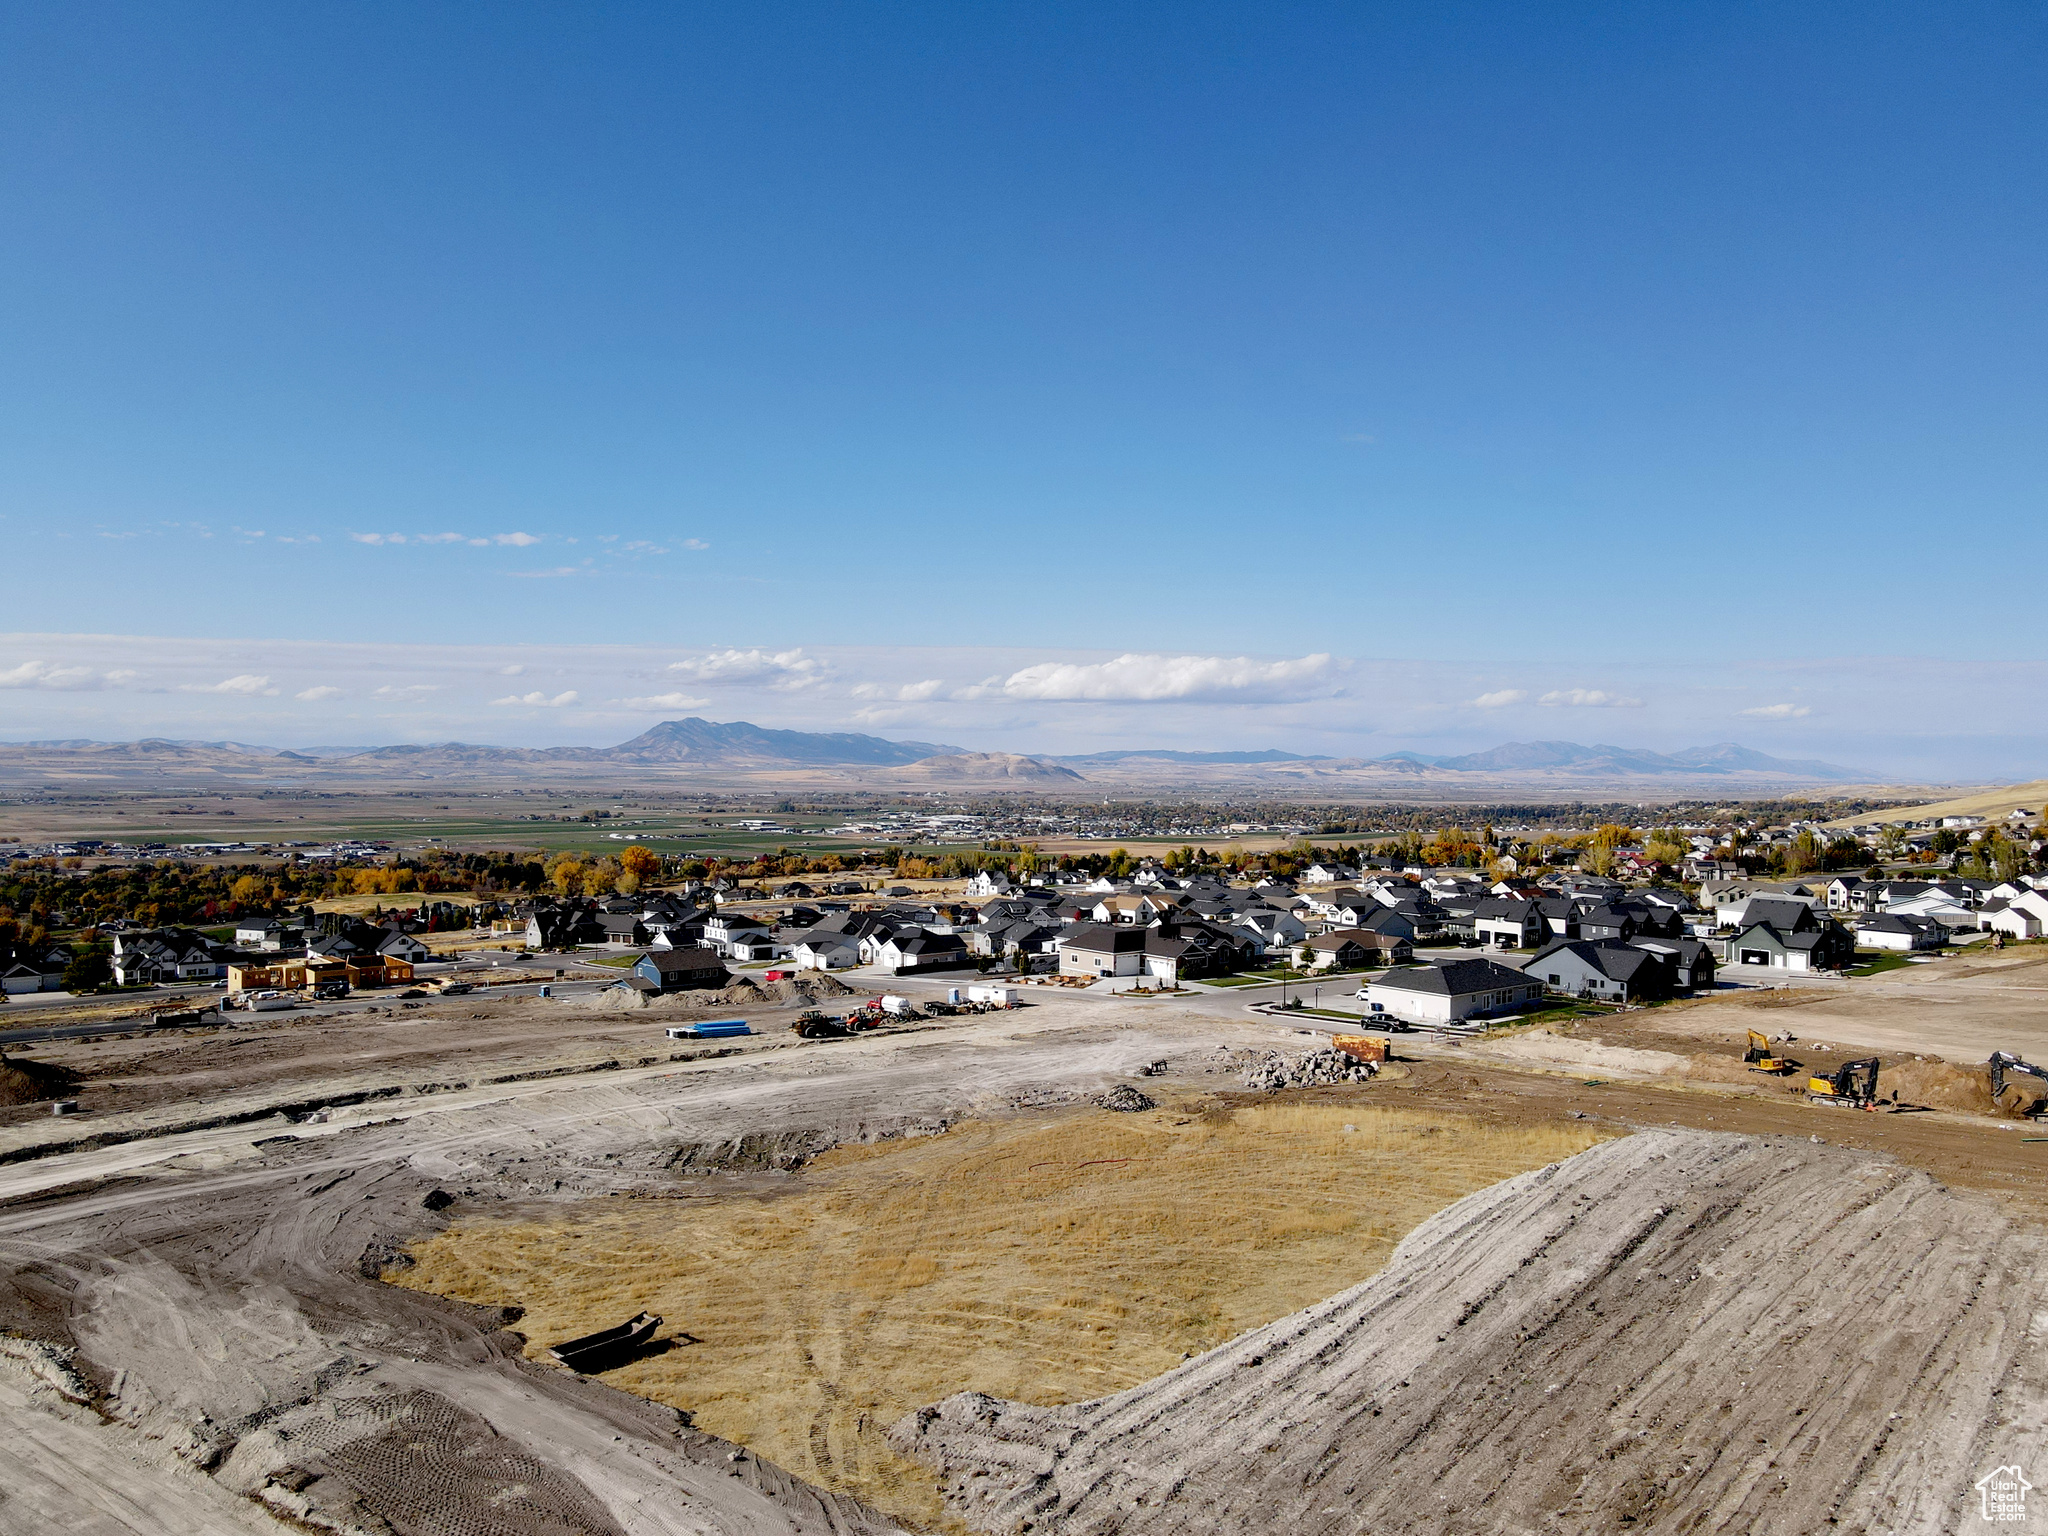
[1760,1057]
[1852,1085]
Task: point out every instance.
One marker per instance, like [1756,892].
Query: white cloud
[47,674]
[539,700]
[315,695]
[407,691]
[515,540]
[909,693]
[1779,712]
[695,544]
[559,570]
[1501,698]
[1138,677]
[1587,698]
[785,671]
[664,701]
[514,670]
[122,675]
[245,685]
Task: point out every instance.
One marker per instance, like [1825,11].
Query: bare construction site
[1096,1264]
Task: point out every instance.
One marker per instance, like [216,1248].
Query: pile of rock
[1268,1071]
[1125,1099]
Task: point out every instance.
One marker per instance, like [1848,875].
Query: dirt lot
[217,1286]
[1049,1255]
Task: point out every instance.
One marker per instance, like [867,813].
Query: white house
[2024,917]
[1895,931]
[1445,994]
[826,952]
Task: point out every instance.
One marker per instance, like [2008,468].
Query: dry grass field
[1046,1258]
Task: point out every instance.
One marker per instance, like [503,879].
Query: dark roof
[1614,960]
[1454,978]
[1107,938]
[673,961]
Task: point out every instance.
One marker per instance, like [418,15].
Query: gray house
[1606,970]
[1453,991]
[682,970]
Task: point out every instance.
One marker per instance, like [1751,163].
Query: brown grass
[1052,1260]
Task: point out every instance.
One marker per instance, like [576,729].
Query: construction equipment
[2004,1067]
[1852,1086]
[813,1025]
[1761,1058]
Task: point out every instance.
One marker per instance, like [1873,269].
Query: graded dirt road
[218,1288]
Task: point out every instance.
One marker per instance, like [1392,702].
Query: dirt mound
[1648,1335]
[30,1082]
[793,989]
[743,991]
[615,1000]
[1939,1085]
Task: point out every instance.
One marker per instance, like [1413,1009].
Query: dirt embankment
[1635,1046]
[1650,1336]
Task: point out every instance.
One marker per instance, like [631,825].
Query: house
[404,946]
[264,933]
[1499,923]
[725,930]
[1177,952]
[760,944]
[907,952]
[826,951]
[1733,910]
[1900,932]
[1451,992]
[32,968]
[682,970]
[2023,917]
[1606,922]
[1606,970]
[1691,961]
[165,955]
[1809,941]
[1937,903]
[1328,873]
[990,882]
[1272,929]
[622,928]
[1354,949]
[562,927]
[1102,949]
[1132,908]
[1843,893]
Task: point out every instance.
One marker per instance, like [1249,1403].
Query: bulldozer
[1760,1057]
[1852,1085]
[2027,1098]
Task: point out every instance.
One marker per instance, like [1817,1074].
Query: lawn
[1880,962]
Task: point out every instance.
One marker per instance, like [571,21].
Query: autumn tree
[641,863]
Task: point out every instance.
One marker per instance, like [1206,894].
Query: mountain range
[740,747]
[1724,757]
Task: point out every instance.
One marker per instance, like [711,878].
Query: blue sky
[1552,351]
